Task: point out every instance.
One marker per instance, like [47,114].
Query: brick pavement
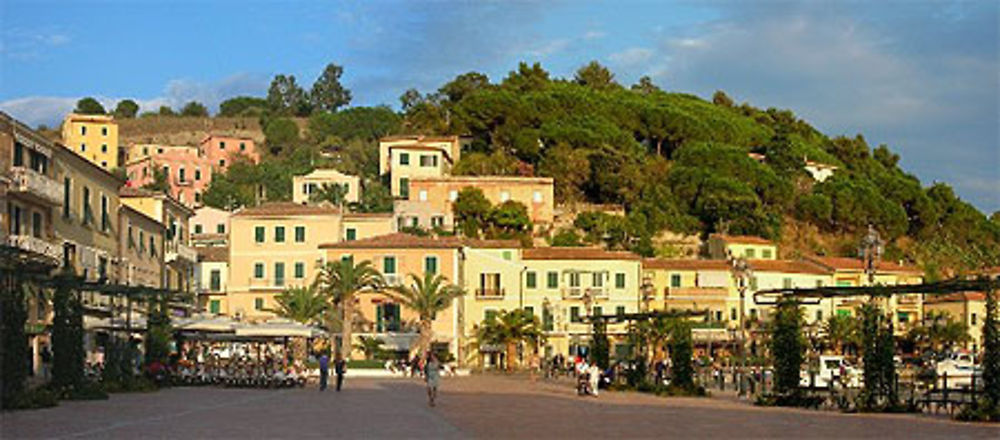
[480,406]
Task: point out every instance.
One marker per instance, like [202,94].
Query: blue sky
[920,76]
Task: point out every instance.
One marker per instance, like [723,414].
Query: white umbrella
[278,328]
[208,324]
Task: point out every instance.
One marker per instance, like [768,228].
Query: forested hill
[676,162]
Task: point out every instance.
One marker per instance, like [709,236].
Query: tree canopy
[89,106]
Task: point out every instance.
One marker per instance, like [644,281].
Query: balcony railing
[580,292]
[31,182]
[263,284]
[35,245]
[490,293]
[181,252]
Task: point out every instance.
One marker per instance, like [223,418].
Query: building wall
[210,221]
[93,137]
[450,144]
[694,289]
[245,252]
[972,312]
[432,198]
[221,151]
[92,233]
[140,249]
[188,173]
[302,186]
[207,294]
[367,225]
[813,313]
[401,172]
[23,212]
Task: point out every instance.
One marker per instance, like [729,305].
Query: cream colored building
[93,137]
[179,257]
[906,309]
[721,247]
[211,277]
[685,284]
[357,225]
[303,187]
[140,248]
[272,247]
[404,158]
[968,308]
[430,198]
[789,274]
[209,220]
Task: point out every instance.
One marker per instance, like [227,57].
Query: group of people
[429,367]
[241,373]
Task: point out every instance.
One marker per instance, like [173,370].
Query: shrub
[33,399]
[130,384]
[85,391]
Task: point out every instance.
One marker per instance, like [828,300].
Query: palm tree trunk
[426,335]
[511,355]
[347,326]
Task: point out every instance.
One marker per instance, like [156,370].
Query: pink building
[188,173]
[219,150]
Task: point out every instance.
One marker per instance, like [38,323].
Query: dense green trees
[89,106]
[126,109]
[327,93]
[243,106]
[194,109]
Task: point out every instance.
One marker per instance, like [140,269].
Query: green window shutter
[620,310]
[529,310]
[553,280]
[213,306]
[530,280]
[489,315]
[279,234]
[300,234]
[598,310]
[404,188]
[431,265]
[300,270]
[279,274]
[547,320]
[378,320]
[619,281]
[258,270]
[389,265]
[352,234]
[258,303]
[404,158]
[258,234]
[574,314]
[675,280]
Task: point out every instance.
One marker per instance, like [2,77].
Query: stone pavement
[479,407]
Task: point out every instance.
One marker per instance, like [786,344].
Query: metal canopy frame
[936,288]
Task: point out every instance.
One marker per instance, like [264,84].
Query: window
[83,130]
[18,154]
[222,163]
[404,158]
[732,314]
[279,234]
[258,234]
[574,314]
[431,264]
[220,228]
[753,283]
[166,171]
[574,279]
[104,148]
[547,320]
[215,280]
[753,314]
[619,280]
[347,258]
[258,303]
[300,234]
[675,280]
[536,197]
[530,311]
[786,283]
[83,147]
[598,279]
[152,246]
[530,280]
[67,192]
[453,195]
[437,221]
[506,255]
[489,315]
[422,195]
[88,215]
[598,310]
[489,284]
[750,253]
[620,311]
[159,151]
[36,227]
[552,280]
[389,265]
[428,160]
[222,145]
[404,188]
[819,283]
[104,164]
[300,270]
[819,316]
[198,228]
[279,274]
[973,319]
[197,174]
[765,253]
[213,306]
[258,271]
[718,315]
[104,131]
[352,234]
[243,146]
[504,196]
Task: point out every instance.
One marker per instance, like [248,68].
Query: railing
[572,292]
[180,251]
[490,293]
[596,292]
[263,284]
[36,245]
[27,180]
[580,292]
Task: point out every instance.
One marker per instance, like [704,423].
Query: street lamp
[741,272]
[648,293]
[870,250]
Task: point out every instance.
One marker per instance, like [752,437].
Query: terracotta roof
[856,264]
[129,191]
[213,253]
[576,253]
[481,179]
[402,240]
[353,215]
[285,208]
[955,297]
[685,264]
[742,239]
[419,137]
[788,266]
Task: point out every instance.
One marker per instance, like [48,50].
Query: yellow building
[358,225]
[788,274]
[686,284]
[406,157]
[906,310]
[721,247]
[140,248]
[93,137]
[272,247]
[211,277]
[178,255]
[303,187]
[566,285]
[968,308]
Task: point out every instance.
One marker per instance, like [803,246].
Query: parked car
[831,368]
[959,367]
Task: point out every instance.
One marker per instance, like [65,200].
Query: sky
[920,76]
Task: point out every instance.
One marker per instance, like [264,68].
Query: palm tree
[371,346]
[301,304]
[426,297]
[510,329]
[938,331]
[841,331]
[340,282]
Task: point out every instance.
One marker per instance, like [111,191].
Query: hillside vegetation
[675,161]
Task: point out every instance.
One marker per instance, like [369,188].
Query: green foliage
[194,109]
[286,98]
[327,93]
[301,304]
[159,183]
[787,346]
[242,106]
[340,282]
[566,237]
[991,349]
[509,220]
[595,76]
[89,106]
[158,331]
[166,111]
[14,340]
[600,346]
[67,333]
[645,86]
[842,331]
[238,185]
[330,193]
[681,351]
[426,297]
[371,346]
[877,341]
[282,135]
[937,332]
[41,397]
[375,197]
[126,109]
[480,164]
[510,329]
[472,210]
[364,123]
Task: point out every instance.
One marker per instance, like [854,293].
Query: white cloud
[27,44]
[631,57]
[548,48]
[594,35]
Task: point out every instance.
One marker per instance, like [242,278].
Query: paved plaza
[477,407]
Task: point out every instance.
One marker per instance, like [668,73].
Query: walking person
[324,371]
[432,375]
[340,367]
[46,363]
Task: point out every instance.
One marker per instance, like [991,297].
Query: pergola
[771,296]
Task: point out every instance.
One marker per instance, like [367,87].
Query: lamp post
[648,294]
[870,251]
[741,271]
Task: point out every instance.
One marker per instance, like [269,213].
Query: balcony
[266,284]
[36,185]
[580,292]
[35,245]
[489,293]
[181,252]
